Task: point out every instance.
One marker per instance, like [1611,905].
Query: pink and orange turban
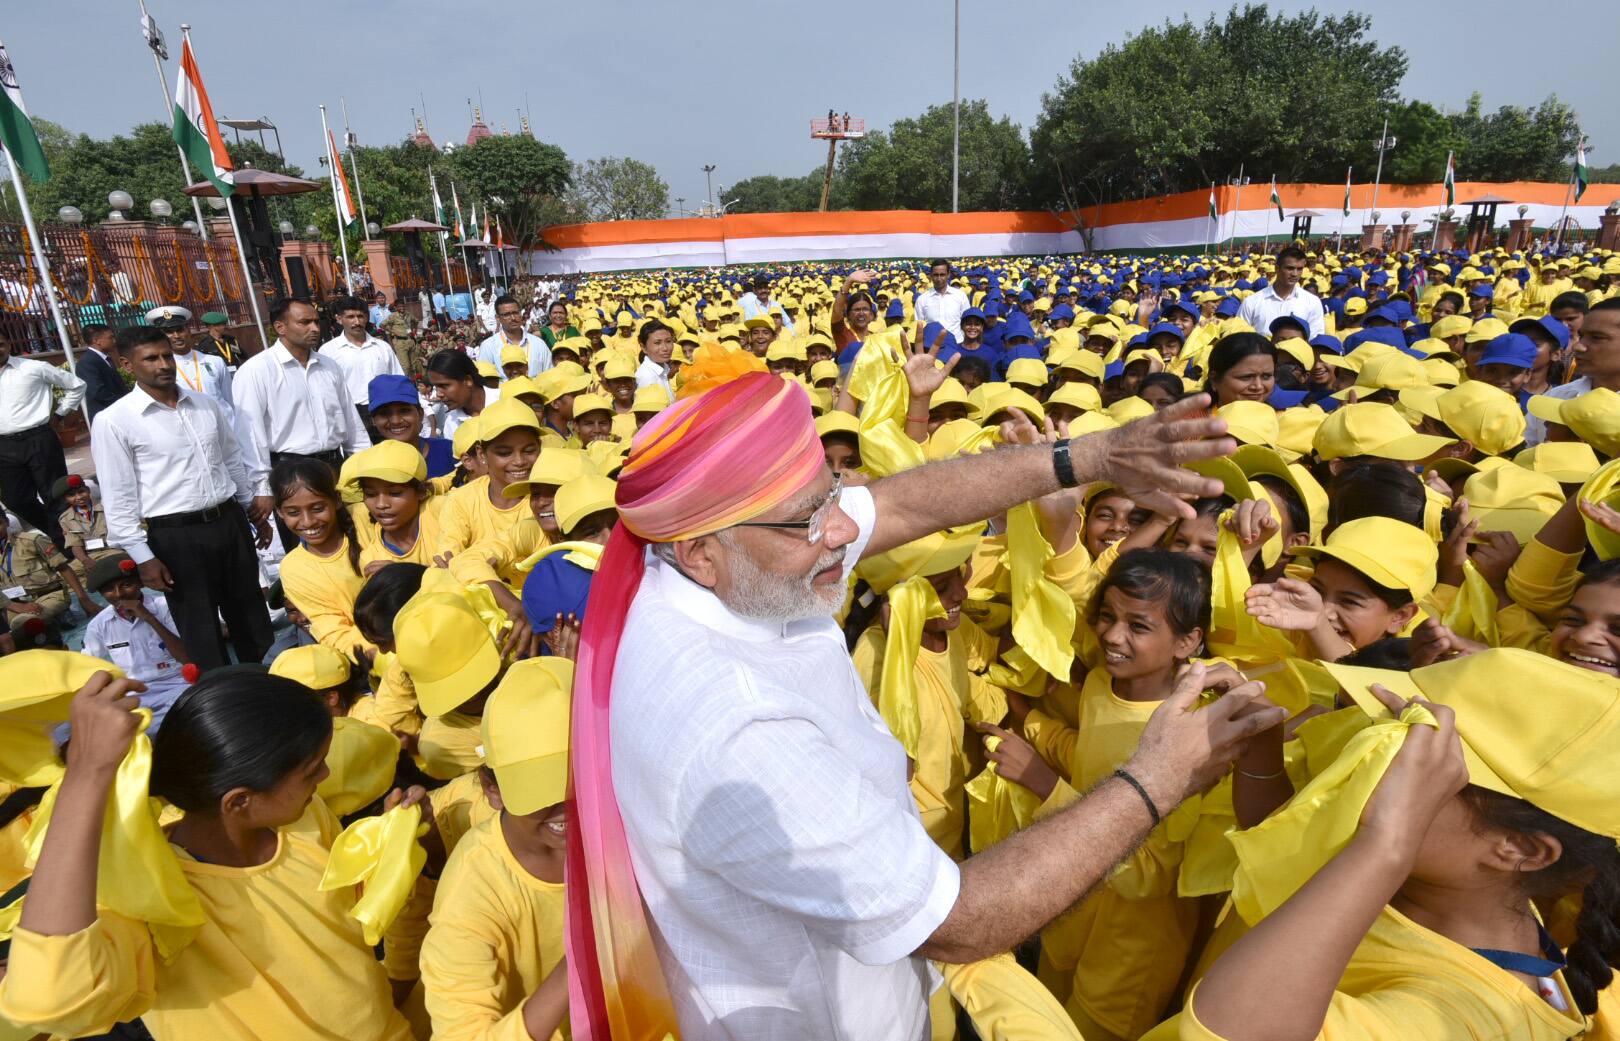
[729,454]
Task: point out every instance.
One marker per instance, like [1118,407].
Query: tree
[1176,107]
[1515,143]
[771,194]
[910,166]
[620,189]
[522,178]
[1423,136]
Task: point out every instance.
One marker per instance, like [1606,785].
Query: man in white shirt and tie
[944,303]
[198,372]
[1285,296]
[31,457]
[179,499]
[360,355]
[293,401]
[510,333]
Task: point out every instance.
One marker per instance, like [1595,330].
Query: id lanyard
[194,381]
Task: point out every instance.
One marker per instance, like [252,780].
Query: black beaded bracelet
[1153,811]
[1062,465]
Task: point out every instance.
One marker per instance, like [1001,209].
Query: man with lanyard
[31,456]
[360,355]
[198,372]
[944,303]
[218,342]
[750,800]
[1285,295]
[179,499]
[292,401]
[509,318]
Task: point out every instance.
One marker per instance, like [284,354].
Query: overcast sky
[728,82]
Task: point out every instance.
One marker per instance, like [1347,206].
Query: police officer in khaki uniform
[33,575]
[84,525]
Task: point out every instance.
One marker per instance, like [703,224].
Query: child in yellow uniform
[1122,950]
[453,664]
[492,963]
[509,440]
[364,755]
[322,574]
[1426,850]
[393,483]
[241,754]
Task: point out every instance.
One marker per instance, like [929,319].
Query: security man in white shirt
[509,318]
[199,372]
[31,456]
[1285,296]
[944,303]
[360,355]
[179,501]
[294,401]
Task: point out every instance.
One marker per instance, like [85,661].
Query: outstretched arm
[1143,458]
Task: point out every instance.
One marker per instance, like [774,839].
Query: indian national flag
[1451,181]
[1276,200]
[486,223]
[16,129]
[345,202]
[438,203]
[1348,171]
[1580,163]
[500,240]
[455,204]
[194,128]
[1213,213]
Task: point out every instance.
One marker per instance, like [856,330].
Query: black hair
[133,336]
[1608,304]
[1156,574]
[1376,488]
[1290,253]
[1574,299]
[1603,573]
[280,306]
[649,328]
[977,366]
[854,298]
[760,282]
[237,727]
[381,598]
[348,303]
[1299,518]
[1588,861]
[1230,350]
[937,261]
[593,523]
[90,330]
[454,364]
[504,299]
[1392,652]
[1168,381]
[298,471]
[1457,300]
[559,302]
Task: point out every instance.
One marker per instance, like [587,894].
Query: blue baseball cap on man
[1546,325]
[391,390]
[1515,349]
[1327,343]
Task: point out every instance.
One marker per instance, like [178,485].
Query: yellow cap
[1603,487]
[506,414]
[651,398]
[1251,422]
[446,649]
[1567,462]
[1299,350]
[991,398]
[392,461]
[1558,760]
[837,422]
[950,392]
[514,356]
[930,555]
[581,497]
[360,764]
[1088,363]
[1296,427]
[619,367]
[487,370]
[1027,373]
[1594,417]
[1390,553]
[521,386]
[555,467]
[1128,409]
[1388,371]
[785,350]
[823,370]
[315,665]
[1259,461]
[1451,325]
[1485,330]
[1511,498]
[592,403]
[1082,396]
[1441,372]
[525,733]
[1375,429]
[466,436]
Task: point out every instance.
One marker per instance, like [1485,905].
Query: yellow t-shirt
[468,516]
[325,588]
[448,745]
[495,933]
[1405,981]
[429,536]
[496,558]
[276,958]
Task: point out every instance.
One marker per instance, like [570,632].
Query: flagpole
[334,170]
[185,164]
[46,284]
[1434,242]
[1569,189]
[466,265]
[1212,218]
[1344,211]
[1266,246]
[354,168]
[230,207]
[1237,210]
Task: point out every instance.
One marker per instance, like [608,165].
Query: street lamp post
[1385,144]
[708,173]
[956,110]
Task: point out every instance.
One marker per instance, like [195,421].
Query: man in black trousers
[31,456]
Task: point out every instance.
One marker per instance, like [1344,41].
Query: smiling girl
[392,479]
[322,575]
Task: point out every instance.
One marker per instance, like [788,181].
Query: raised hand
[1188,745]
[1287,604]
[1427,773]
[1017,760]
[1144,458]
[1253,523]
[104,723]
[1434,641]
[924,373]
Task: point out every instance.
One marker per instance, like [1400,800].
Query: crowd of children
[1415,550]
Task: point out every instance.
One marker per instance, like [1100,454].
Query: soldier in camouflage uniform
[36,578]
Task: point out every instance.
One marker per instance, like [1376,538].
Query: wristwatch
[1062,465]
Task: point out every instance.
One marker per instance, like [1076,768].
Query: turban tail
[707,462]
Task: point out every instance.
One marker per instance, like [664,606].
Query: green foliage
[910,166]
[1515,143]
[1423,136]
[1604,174]
[504,169]
[619,189]
[771,194]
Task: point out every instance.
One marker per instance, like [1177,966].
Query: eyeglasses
[816,525]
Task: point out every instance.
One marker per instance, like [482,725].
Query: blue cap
[1515,349]
[1482,289]
[1166,328]
[896,309]
[1139,340]
[1338,280]
[1387,335]
[972,312]
[1383,314]
[1378,278]
[1228,308]
[1281,399]
[1547,324]
[933,329]
[1288,319]
[1026,297]
[1062,311]
[1016,326]
[1186,307]
[1113,369]
[1327,343]
[391,390]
